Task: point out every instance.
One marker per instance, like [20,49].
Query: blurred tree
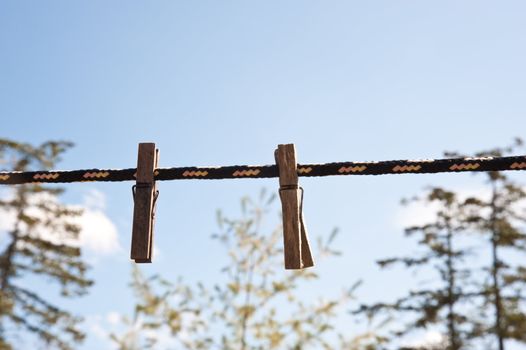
[442,303]
[472,304]
[501,218]
[258,307]
[39,242]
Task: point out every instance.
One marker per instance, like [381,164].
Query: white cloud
[98,234]
[94,199]
[95,326]
[131,332]
[415,214]
[427,339]
[419,213]
[163,337]
[157,254]
[7,220]
[113,318]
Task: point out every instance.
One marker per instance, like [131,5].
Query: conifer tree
[476,302]
[501,220]
[440,304]
[40,242]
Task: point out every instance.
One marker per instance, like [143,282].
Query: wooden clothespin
[144,196]
[296,244]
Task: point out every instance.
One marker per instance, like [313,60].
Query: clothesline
[268,171]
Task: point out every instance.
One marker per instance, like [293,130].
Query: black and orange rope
[268,171]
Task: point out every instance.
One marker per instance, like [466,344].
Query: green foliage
[39,243]
[257,307]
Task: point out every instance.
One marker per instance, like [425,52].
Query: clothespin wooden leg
[144,195]
[296,244]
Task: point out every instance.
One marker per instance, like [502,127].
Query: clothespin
[144,196]
[296,244]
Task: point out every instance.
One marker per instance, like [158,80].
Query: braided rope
[267,171]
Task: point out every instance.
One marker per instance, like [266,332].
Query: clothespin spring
[295,187]
[156,195]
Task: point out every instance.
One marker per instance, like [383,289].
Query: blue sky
[222,83]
